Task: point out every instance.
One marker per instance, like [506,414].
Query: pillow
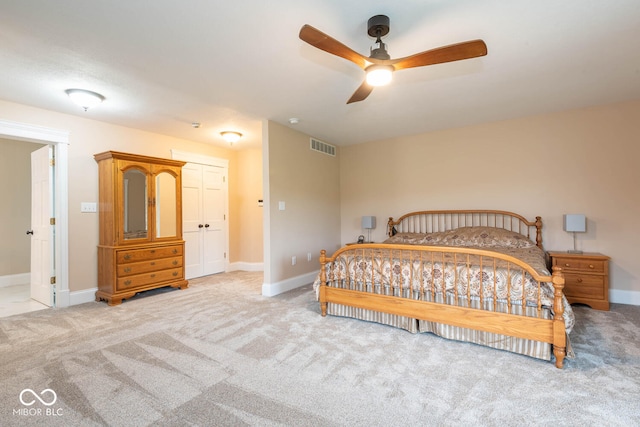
[486,237]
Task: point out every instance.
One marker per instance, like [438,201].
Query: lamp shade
[576,223]
[368,222]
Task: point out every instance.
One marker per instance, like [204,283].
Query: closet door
[213,207]
[204,221]
[192,219]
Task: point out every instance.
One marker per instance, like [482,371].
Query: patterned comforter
[425,275]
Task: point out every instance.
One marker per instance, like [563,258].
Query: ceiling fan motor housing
[378,26]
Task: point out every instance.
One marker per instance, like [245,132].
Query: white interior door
[204,219]
[192,222]
[213,198]
[41,228]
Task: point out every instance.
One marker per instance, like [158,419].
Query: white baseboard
[273,289]
[15,279]
[83,296]
[246,266]
[624,297]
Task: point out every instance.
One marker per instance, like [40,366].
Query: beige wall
[308,183]
[88,137]
[15,215]
[249,181]
[580,161]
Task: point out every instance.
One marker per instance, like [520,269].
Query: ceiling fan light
[84,98]
[379,75]
[231,136]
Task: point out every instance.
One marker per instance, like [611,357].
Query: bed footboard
[464,287]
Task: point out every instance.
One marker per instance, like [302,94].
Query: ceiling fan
[379,66]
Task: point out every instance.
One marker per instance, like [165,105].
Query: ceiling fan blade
[454,52]
[361,93]
[324,42]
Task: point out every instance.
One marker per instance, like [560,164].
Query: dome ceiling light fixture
[85,98]
[231,136]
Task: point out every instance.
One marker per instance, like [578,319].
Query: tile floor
[16,299]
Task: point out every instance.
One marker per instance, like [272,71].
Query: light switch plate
[88,207]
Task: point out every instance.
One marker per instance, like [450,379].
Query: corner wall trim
[273,289]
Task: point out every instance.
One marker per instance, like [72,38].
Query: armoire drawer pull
[175,251]
[127,270]
[175,262]
[127,256]
[127,282]
[579,280]
[175,273]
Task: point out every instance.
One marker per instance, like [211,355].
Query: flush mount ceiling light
[231,136]
[85,98]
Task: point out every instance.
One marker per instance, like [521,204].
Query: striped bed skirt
[536,349]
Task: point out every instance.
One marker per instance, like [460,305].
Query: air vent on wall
[322,147]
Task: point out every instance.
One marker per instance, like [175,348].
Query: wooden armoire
[140,210]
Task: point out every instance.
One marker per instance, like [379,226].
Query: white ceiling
[163,64]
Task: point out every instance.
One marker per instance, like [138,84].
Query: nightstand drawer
[595,266]
[584,286]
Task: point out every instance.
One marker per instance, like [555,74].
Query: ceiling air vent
[322,147]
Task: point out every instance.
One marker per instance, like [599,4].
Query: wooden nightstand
[586,277]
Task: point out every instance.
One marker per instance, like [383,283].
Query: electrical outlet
[293,260]
[308,256]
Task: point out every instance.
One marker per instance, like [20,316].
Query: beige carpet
[220,354]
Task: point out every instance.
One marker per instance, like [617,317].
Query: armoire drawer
[136,255]
[129,282]
[132,268]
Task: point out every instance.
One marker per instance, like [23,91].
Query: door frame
[60,141]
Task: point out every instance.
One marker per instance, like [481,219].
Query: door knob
[200,225]
[206,225]
[30,232]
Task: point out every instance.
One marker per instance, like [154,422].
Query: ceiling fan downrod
[378,27]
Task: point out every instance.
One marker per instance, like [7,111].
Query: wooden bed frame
[349,291]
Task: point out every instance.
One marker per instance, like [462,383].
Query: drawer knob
[153,251]
[153,263]
[127,282]
[567,265]
[127,256]
[175,251]
[175,273]
[153,275]
[175,262]
[591,266]
[127,270]
[579,280]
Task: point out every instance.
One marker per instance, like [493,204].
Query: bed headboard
[435,221]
